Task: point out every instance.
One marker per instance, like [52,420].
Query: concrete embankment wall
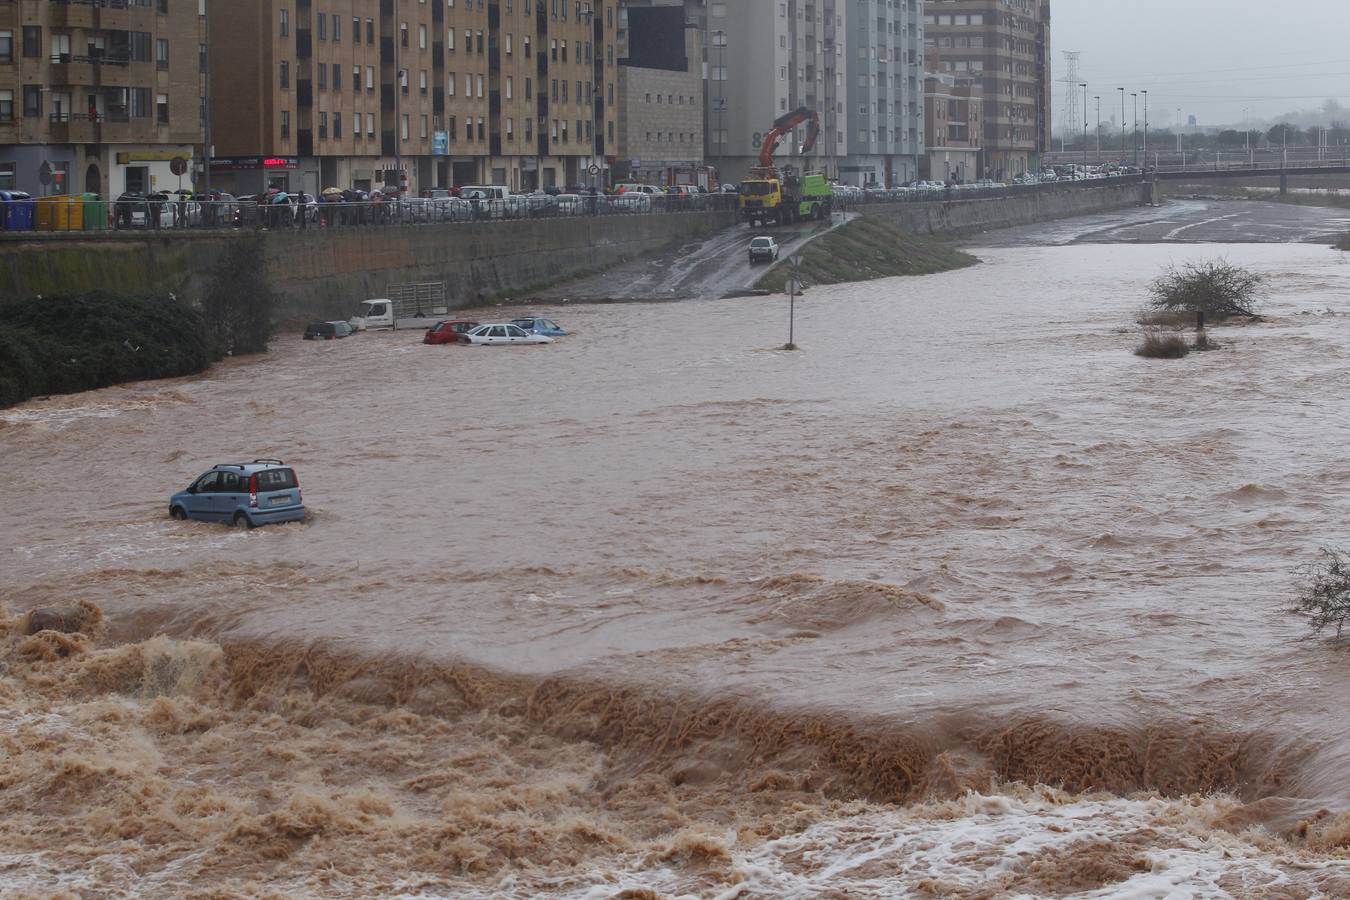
[322,274]
[1023,207]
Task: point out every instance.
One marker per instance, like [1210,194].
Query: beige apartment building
[99,97]
[310,94]
[661,100]
[1005,44]
[953,127]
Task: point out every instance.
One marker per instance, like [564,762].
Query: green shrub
[78,342]
[1159,346]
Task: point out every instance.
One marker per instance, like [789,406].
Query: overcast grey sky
[1210,58]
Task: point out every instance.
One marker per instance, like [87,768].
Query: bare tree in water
[1216,288]
[1325,595]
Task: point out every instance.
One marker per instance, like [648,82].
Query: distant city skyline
[1266,59]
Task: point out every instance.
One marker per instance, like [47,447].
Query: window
[356,78]
[527,46]
[509,43]
[480,85]
[529,88]
[510,129]
[450,84]
[32,40]
[32,101]
[321,32]
[422,37]
[450,40]
[509,87]
[6,106]
[337,35]
[285,74]
[403,127]
[337,77]
[285,23]
[356,126]
[337,126]
[7,50]
[356,30]
[370,125]
[422,82]
[285,123]
[370,31]
[403,34]
[323,125]
[323,77]
[425,128]
[370,78]
[8,176]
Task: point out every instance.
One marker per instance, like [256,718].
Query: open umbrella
[330,191]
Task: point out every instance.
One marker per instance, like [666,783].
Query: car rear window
[275,480]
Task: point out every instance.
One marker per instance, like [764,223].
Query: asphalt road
[1186,222]
[713,268]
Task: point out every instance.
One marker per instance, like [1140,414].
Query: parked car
[448,331]
[502,333]
[324,331]
[539,325]
[245,495]
[763,247]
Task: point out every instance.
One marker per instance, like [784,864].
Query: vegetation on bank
[1157,345]
[81,341]
[866,249]
[76,342]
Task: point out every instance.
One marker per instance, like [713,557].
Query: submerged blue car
[537,325]
[244,495]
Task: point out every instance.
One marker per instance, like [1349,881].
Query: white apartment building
[883,43]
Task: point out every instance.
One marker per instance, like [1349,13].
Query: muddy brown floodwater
[963,599]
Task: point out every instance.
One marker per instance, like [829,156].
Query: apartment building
[99,97]
[765,58]
[953,127]
[1006,45]
[884,93]
[309,94]
[660,95]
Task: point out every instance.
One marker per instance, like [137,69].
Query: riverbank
[864,250]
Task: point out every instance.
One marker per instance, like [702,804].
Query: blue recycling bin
[18,211]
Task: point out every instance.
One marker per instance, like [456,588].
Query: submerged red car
[448,331]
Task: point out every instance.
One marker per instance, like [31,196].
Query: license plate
[278,501]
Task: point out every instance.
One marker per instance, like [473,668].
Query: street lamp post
[1122,123]
[1099,128]
[1145,93]
[1247,134]
[1134,130]
[1085,125]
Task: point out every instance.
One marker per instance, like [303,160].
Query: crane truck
[770,196]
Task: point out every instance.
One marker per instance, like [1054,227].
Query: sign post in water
[794,287]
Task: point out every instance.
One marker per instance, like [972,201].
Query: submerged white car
[504,333]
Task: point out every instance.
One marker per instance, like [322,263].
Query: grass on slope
[866,249]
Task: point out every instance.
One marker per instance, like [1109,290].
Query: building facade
[766,58]
[99,97]
[884,47]
[953,127]
[311,94]
[1006,45]
[660,95]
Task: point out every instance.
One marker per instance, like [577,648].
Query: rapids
[962,599]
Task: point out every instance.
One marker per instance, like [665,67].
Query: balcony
[106,15]
[82,71]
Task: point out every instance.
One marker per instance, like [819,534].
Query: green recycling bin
[95,212]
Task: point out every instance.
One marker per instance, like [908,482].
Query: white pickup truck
[409,306]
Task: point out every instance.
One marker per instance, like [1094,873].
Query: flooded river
[963,599]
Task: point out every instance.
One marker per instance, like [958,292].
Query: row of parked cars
[520,330]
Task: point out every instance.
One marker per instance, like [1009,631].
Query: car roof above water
[257,465]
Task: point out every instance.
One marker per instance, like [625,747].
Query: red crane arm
[782,125]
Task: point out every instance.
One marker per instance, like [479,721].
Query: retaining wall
[323,274]
[1021,207]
